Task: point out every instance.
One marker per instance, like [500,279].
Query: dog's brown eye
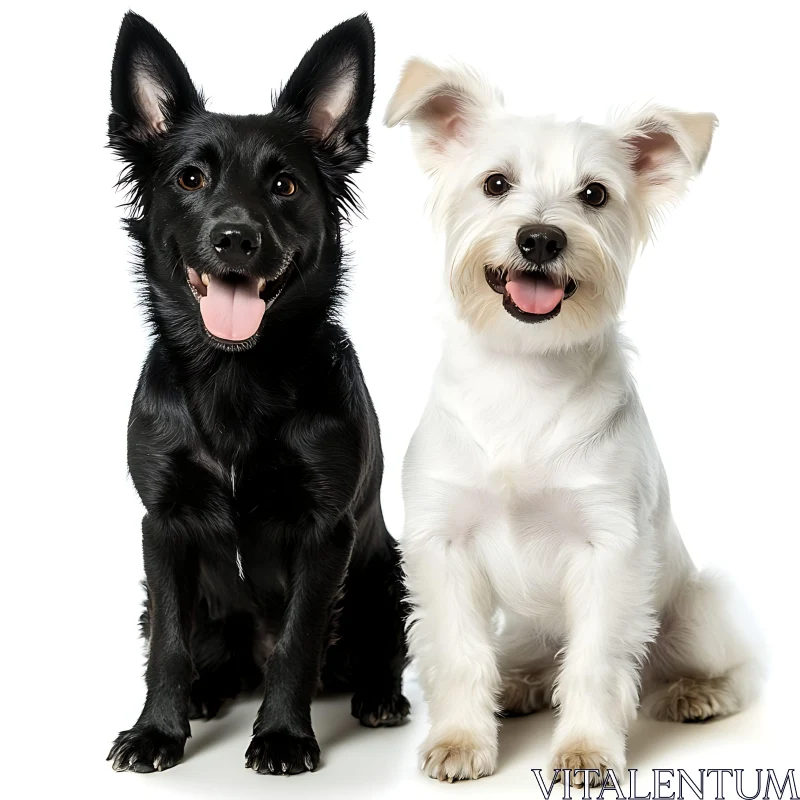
[594,194]
[191,179]
[496,185]
[284,186]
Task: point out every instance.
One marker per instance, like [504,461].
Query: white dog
[543,563]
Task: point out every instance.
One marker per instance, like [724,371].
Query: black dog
[253,442]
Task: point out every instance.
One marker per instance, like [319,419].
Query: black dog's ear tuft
[332,91]
[150,86]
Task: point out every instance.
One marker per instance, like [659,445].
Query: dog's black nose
[541,243]
[235,243]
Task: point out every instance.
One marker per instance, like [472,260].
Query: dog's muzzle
[530,295]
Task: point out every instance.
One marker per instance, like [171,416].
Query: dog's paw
[280,753]
[573,759]
[690,700]
[205,708]
[375,710]
[205,701]
[146,750]
[213,688]
[525,693]
[458,758]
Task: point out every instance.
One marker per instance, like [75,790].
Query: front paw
[376,710]
[572,759]
[146,749]
[282,753]
[458,756]
[207,698]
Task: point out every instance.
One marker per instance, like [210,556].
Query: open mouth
[233,305]
[530,295]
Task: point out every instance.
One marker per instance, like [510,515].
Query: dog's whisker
[298,271]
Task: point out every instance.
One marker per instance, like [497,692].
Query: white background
[712,308]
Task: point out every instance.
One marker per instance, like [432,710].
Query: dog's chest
[521,429]
[527,473]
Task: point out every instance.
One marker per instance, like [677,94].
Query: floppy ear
[150,87]
[666,149]
[332,90]
[443,107]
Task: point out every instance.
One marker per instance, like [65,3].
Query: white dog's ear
[443,107]
[666,148]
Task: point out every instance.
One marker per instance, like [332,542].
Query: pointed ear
[150,87]
[443,107]
[332,90]
[666,149]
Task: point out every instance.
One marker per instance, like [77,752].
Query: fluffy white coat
[543,563]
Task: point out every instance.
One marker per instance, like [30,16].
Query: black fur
[266,450]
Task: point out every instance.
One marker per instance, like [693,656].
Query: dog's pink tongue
[232,311]
[533,294]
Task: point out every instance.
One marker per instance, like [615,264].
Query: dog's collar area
[529,295]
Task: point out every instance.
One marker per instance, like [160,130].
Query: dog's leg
[372,637]
[157,740]
[283,739]
[450,638]
[609,618]
[705,662]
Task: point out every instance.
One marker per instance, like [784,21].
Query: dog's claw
[145,749]
[280,753]
[376,710]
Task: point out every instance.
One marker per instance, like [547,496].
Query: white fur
[543,562]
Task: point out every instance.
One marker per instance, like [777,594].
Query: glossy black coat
[259,464]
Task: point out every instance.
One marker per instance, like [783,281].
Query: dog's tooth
[206,280]
[262,284]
